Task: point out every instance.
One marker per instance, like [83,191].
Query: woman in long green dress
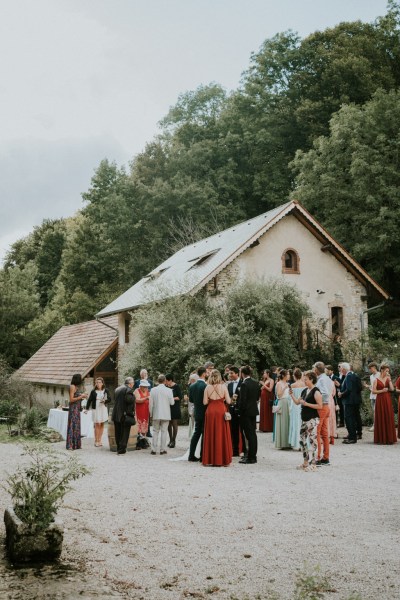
[282,415]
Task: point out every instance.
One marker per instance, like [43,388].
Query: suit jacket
[249,395]
[91,403]
[196,395]
[161,400]
[351,389]
[124,403]
[233,408]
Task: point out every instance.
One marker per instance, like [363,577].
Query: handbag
[130,420]
[228,416]
[276,409]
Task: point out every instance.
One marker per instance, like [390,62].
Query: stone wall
[322,280]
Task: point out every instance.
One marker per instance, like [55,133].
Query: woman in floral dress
[74,413]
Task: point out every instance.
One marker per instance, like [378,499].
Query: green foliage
[15,394]
[10,408]
[221,158]
[312,585]
[258,325]
[351,181]
[38,488]
[31,421]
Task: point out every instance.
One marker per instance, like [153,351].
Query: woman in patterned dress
[74,413]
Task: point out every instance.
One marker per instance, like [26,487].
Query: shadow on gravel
[57,581]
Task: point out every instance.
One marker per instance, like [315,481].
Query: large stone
[24,545]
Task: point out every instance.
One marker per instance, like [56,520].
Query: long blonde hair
[214,377]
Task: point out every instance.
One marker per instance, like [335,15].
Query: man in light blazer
[161,400]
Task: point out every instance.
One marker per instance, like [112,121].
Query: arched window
[290,261]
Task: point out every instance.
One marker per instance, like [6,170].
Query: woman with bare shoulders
[384,427]
[217,444]
[266,401]
[74,412]
[282,413]
[310,401]
[295,410]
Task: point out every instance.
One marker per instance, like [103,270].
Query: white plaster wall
[318,270]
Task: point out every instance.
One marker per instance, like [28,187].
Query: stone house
[286,242]
[89,348]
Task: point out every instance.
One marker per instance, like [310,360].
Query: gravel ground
[143,527]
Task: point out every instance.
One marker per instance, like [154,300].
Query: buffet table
[58,420]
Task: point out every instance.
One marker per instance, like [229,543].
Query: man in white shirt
[373,369]
[161,400]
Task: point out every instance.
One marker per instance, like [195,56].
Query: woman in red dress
[397,386]
[384,427]
[142,396]
[266,401]
[217,443]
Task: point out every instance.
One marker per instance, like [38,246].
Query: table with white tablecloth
[58,420]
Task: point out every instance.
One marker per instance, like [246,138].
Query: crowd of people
[302,409]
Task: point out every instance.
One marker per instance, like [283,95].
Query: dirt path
[148,528]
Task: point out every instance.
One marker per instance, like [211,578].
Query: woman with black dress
[175,409]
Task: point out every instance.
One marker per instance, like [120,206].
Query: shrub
[38,488]
[257,324]
[31,421]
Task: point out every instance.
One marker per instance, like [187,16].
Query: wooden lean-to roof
[73,349]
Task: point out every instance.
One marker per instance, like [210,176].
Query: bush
[31,421]
[258,324]
[38,488]
[10,408]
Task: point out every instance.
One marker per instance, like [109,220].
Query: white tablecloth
[58,420]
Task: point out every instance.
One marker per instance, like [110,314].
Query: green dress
[282,422]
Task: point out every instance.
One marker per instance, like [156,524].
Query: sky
[83,80]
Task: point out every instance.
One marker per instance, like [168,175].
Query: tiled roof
[192,267]
[73,349]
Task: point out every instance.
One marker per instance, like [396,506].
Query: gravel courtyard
[145,527]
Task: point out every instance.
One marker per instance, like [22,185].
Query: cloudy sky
[82,80]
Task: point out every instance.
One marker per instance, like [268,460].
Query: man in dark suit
[124,405]
[350,394]
[196,395]
[248,409]
[233,390]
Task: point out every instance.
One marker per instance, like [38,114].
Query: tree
[351,182]
[19,305]
[259,325]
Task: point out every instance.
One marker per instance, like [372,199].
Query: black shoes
[152,452]
[347,441]
[171,445]
[193,459]
[322,462]
[163,452]
[248,461]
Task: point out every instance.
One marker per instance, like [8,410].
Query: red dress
[142,412]
[397,387]
[217,444]
[266,416]
[384,427]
